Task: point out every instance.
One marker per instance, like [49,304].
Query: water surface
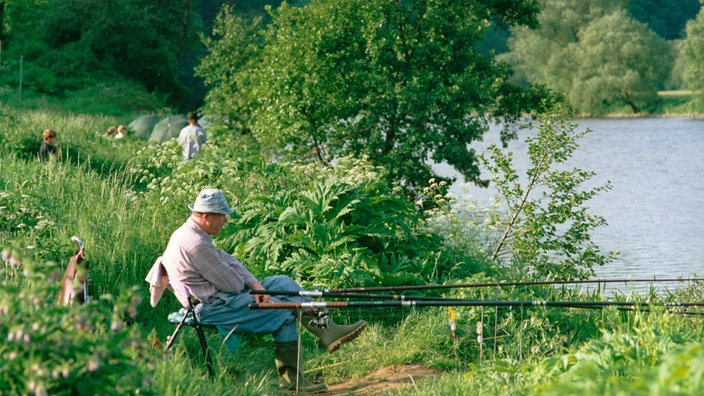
[655,210]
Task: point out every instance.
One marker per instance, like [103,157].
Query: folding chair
[186,316]
[159,280]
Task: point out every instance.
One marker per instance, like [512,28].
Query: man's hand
[260,298]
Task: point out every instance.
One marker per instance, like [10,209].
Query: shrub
[52,349]
[333,226]
[547,224]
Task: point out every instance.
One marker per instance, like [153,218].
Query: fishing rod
[324,293]
[320,293]
[499,284]
[357,292]
[632,309]
[468,303]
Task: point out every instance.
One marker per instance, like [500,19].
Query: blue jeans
[229,310]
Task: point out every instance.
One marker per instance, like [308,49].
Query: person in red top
[221,284]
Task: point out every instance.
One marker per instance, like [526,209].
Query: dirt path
[382,380]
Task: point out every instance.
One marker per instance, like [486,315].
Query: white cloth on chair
[159,281]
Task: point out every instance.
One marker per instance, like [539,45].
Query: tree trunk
[628,99]
[184,29]
[2,24]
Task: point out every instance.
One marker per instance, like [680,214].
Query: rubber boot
[331,334]
[290,378]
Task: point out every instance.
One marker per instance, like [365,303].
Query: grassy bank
[96,193]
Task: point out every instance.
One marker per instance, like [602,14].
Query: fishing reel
[320,318]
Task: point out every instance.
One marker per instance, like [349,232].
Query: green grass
[122,100]
[535,351]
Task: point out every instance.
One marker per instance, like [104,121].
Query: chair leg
[172,338]
[201,339]
[206,351]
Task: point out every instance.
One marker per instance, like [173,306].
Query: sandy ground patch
[380,381]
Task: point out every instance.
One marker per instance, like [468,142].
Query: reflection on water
[655,211]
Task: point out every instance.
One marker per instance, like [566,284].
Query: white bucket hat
[211,200]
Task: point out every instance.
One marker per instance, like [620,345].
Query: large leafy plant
[336,225]
[546,224]
[341,226]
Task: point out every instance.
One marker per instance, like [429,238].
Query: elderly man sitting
[221,284]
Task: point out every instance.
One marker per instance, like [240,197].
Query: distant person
[121,132]
[111,131]
[192,137]
[49,149]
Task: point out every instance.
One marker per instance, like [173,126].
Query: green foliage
[52,349]
[231,50]
[338,227]
[620,61]
[68,45]
[391,81]
[547,224]
[646,360]
[664,17]
[545,55]
[692,49]
[595,53]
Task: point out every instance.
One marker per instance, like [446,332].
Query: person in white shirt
[121,132]
[192,137]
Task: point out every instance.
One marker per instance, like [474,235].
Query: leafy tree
[545,55]
[593,52]
[692,50]
[665,17]
[233,46]
[620,61]
[546,225]
[399,82]
[69,44]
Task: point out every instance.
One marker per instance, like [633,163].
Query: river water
[655,210]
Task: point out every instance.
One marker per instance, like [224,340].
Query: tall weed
[51,349]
